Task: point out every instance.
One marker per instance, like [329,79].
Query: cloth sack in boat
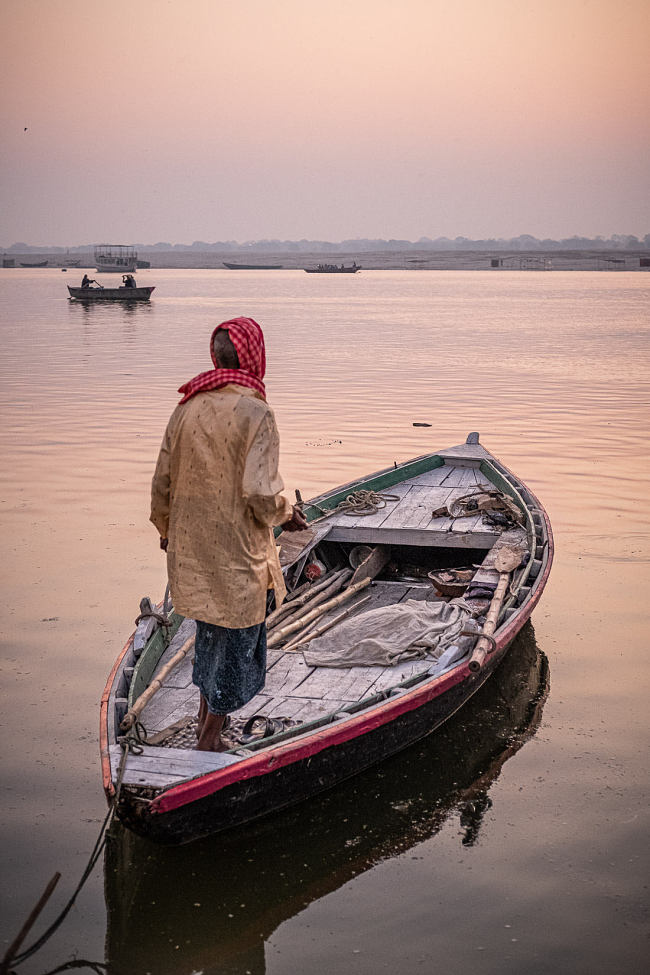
[390,635]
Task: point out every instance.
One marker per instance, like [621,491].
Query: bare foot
[210,736]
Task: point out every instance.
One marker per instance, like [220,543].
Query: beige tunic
[216,495]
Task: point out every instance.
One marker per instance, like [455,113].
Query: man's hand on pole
[297,522]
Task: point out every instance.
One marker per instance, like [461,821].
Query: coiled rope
[363,502]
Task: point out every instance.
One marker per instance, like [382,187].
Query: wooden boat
[451,510]
[334,269]
[38,264]
[252,267]
[111,294]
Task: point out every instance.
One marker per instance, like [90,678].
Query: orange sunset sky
[183,120]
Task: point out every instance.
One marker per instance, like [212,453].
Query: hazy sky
[182,120]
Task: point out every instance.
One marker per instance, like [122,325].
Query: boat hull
[111,294]
[252,267]
[332,270]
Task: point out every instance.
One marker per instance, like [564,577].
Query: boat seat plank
[409,521]
[162,767]
[422,537]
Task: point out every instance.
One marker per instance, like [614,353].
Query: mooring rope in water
[129,743]
[99,967]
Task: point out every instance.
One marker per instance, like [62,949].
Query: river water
[514,841]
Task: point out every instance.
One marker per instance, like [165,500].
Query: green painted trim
[150,658]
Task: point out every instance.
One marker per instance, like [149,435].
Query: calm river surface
[516,841]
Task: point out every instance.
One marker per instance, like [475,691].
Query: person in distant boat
[86,281]
[129,281]
[215,497]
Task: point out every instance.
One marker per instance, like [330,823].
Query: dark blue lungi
[230,664]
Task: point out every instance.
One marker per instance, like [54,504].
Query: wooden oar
[505,561]
[372,566]
[140,703]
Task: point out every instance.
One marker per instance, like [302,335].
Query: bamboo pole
[291,605]
[334,584]
[507,559]
[12,950]
[311,633]
[485,641]
[279,635]
[140,703]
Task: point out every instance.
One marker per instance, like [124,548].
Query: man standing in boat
[216,495]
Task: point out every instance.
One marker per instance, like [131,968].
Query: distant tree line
[525,242]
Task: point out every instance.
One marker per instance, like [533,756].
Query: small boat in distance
[129,291]
[252,267]
[453,539]
[39,264]
[334,269]
[115,258]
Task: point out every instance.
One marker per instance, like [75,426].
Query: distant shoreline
[398,260]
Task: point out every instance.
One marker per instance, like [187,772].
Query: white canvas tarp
[389,635]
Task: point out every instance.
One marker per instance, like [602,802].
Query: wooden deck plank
[339,683]
[189,708]
[287,675]
[414,509]
[429,478]
[162,767]
[176,760]
[473,523]
[395,675]
[460,477]
[169,704]
[257,705]
[312,710]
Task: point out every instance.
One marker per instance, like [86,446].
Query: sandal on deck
[267,728]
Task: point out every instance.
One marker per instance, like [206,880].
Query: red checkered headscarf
[246,336]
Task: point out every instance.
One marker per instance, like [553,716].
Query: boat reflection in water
[159,898]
